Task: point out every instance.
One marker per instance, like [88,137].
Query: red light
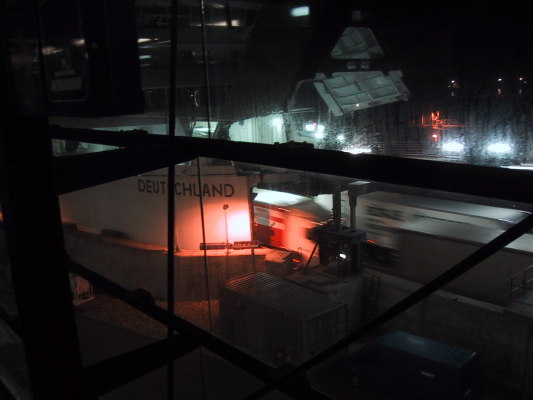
[239,225]
[371,241]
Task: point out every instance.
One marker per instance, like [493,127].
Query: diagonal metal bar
[468,263]
[493,182]
[109,138]
[10,320]
[117,371]
[5,393]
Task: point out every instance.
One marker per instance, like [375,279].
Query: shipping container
[408,366]
[277,321]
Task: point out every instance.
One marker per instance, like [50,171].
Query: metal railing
[518,284]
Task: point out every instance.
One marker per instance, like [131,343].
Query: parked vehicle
[408,366]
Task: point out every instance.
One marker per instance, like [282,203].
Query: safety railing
[517,284]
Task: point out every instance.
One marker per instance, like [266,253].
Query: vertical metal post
[526,362]
[337,209]
[225,208]
[36,251]
[524,282]
[171,187]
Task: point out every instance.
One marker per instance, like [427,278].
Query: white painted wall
[137,206]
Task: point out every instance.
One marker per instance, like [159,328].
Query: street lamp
[225,207]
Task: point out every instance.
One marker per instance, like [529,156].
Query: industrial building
[265,199]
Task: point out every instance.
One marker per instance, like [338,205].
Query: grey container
[278,321]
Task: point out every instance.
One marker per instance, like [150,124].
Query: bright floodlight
[499,148]
[357,150]
[300,11]
[310,127]
[316,128]
[453,147]
[277,122]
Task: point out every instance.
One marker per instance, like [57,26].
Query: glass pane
[259,248]
[152,31]
[372,83]
[356,79]
[210,211]
[117,230]
[296,299]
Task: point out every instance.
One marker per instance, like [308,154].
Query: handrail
[522,284]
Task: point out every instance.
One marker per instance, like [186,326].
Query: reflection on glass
[240,64]
[313,256]
[269,72]
[111,229]
[304,244]
[260,72]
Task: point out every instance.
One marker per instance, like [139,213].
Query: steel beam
[110,374]
[493,182]
[87,170]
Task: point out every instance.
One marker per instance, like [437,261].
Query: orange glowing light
[235,218]
[436,122]
[371,241]
[239,225]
